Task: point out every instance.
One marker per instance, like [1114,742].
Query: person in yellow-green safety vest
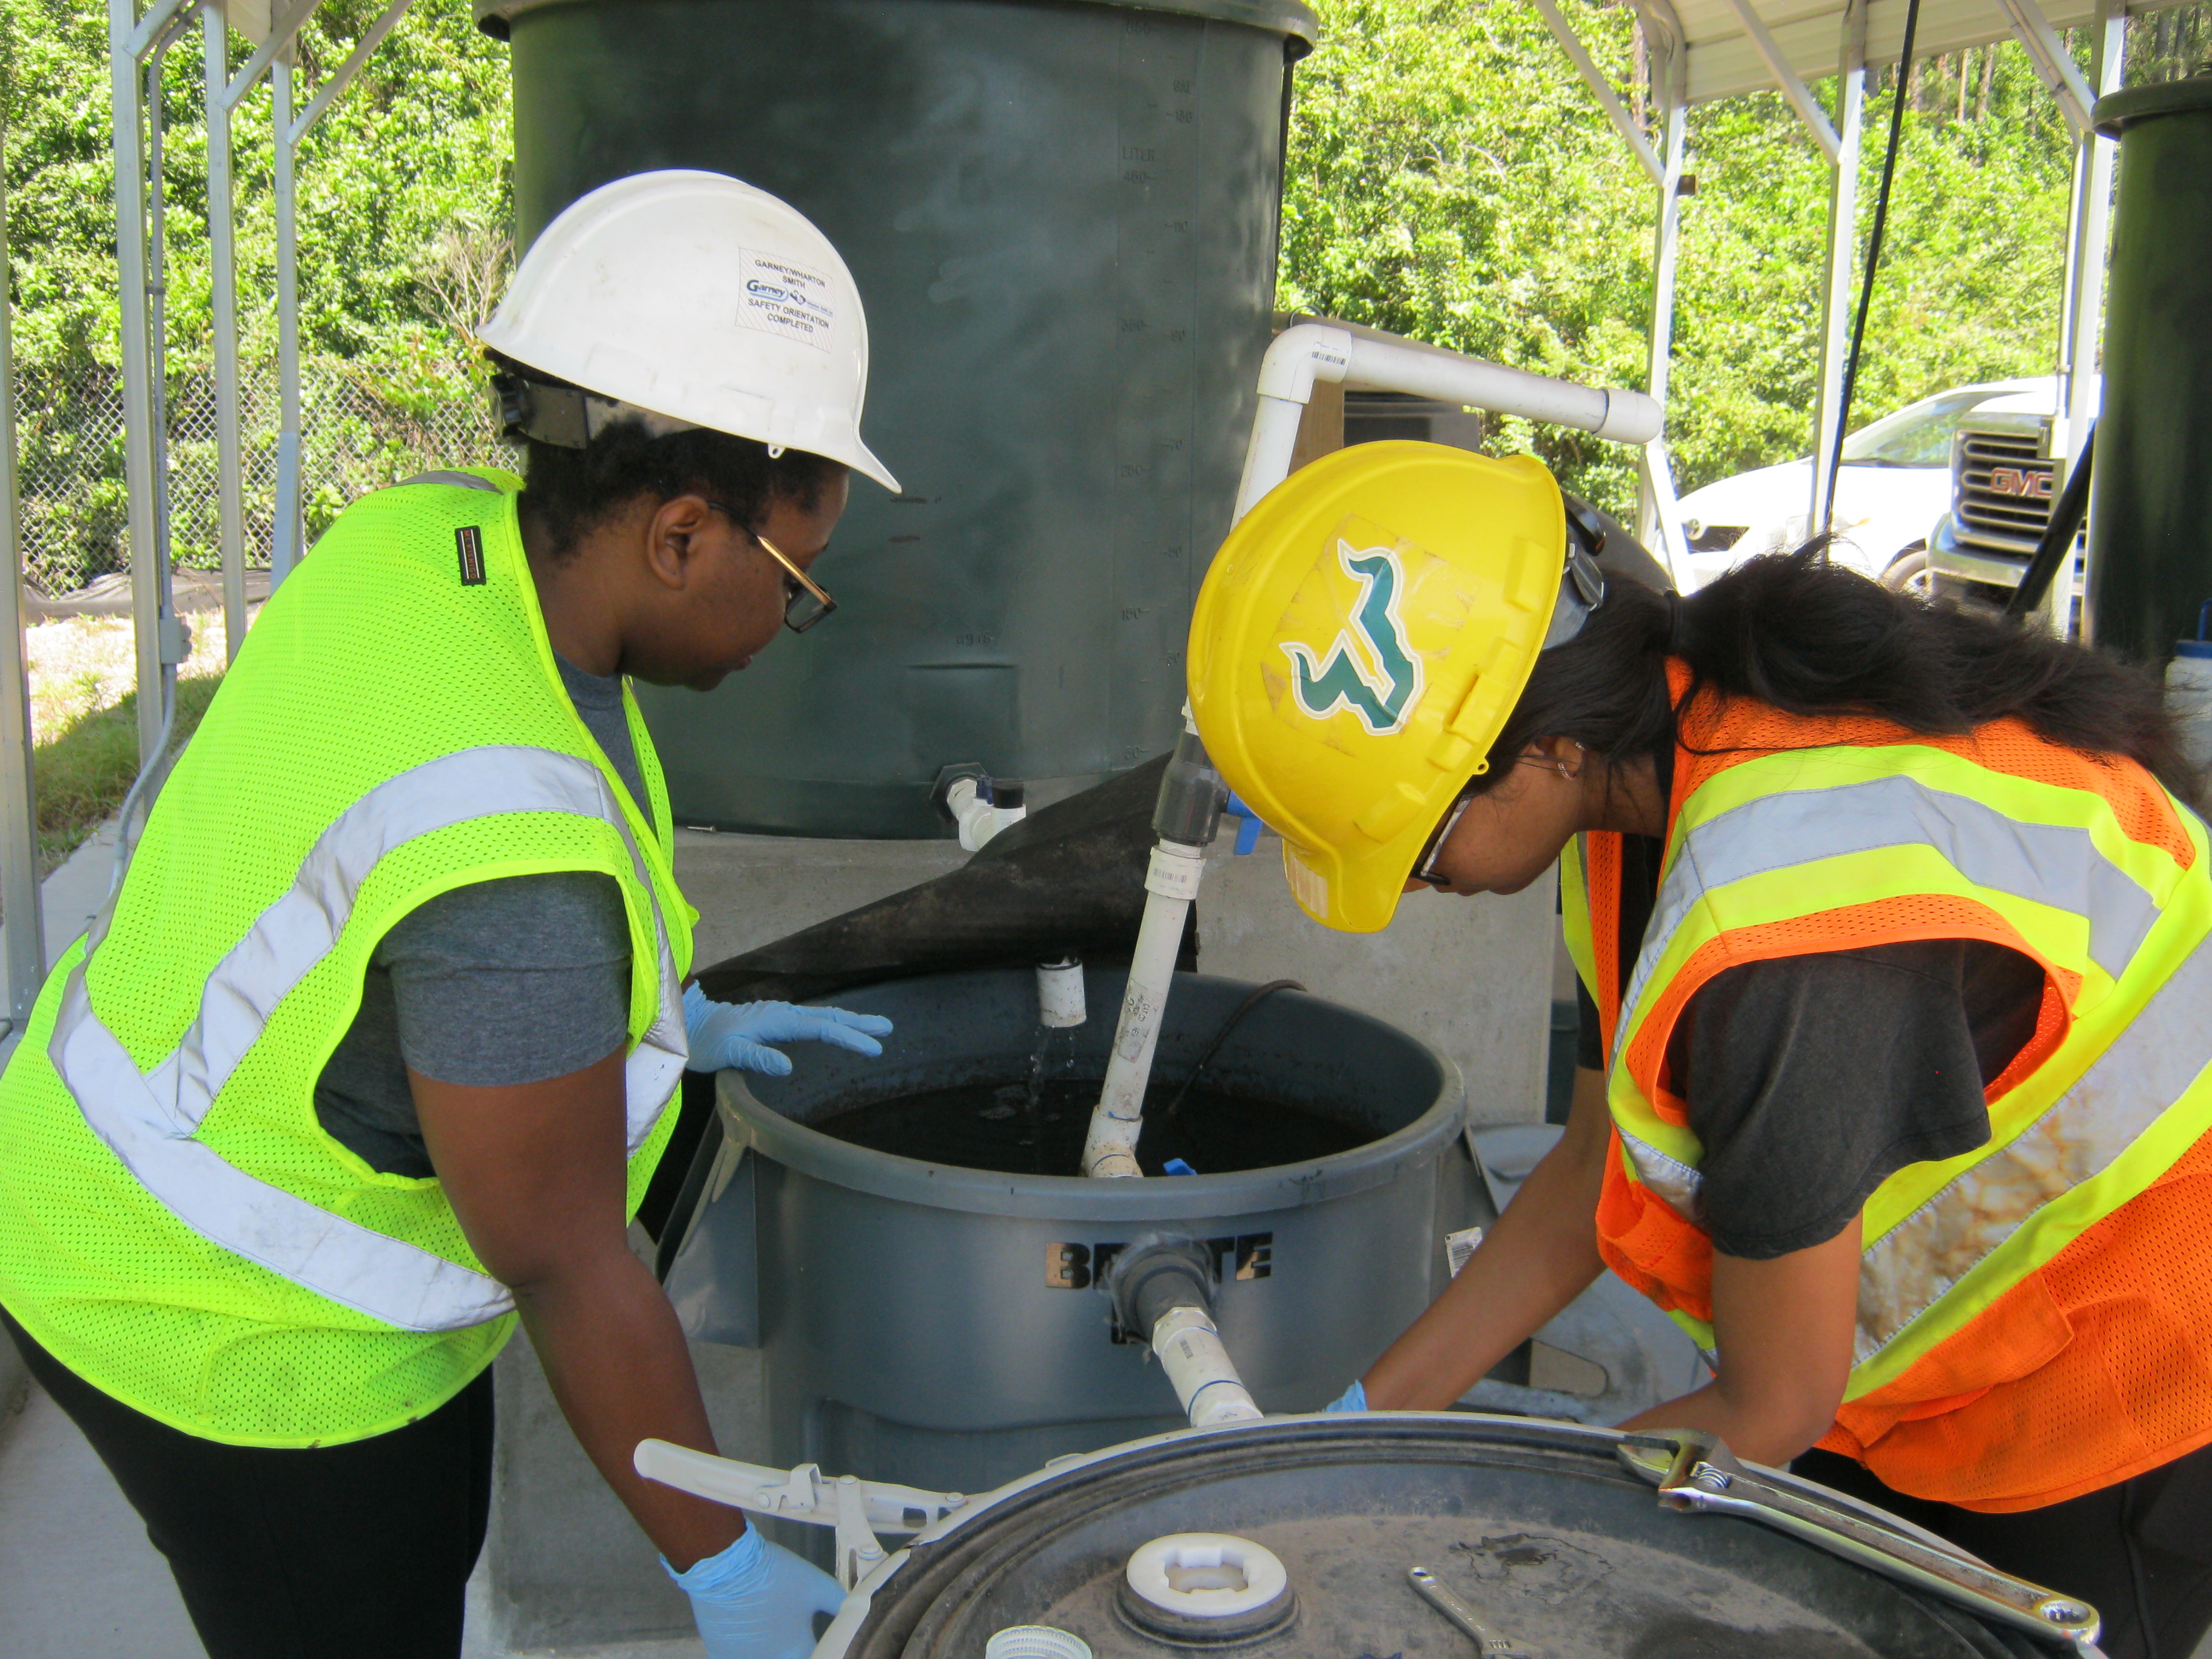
[375,1052]
[1895,929]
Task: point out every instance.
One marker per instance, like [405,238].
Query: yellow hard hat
[1357,646]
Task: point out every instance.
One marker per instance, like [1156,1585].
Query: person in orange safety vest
[1895,929]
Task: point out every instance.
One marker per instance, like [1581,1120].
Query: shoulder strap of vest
[457,479]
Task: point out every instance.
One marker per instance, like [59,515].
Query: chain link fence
[355,436]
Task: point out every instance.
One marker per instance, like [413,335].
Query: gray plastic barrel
[1536,1526]
[942,1328]
[1062,220]
[2150,497]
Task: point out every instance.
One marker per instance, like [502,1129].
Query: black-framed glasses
[805,602]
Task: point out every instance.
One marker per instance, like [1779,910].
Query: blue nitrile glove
[1353,1399]
[758,1600]
[723,1034]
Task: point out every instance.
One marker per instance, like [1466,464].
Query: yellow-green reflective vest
[175,1226]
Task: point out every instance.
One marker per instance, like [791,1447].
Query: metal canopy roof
[1724,60]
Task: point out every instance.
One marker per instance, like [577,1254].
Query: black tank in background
[2150,501]
[1062,221]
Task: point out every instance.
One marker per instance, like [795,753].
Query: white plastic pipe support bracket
[858,1550]
[1205,1377]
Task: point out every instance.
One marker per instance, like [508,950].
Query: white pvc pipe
[1060,1003]
[1402,366]
[1205,1377]
[1170,883]
[1318,351]
[979,820]
[1268,457]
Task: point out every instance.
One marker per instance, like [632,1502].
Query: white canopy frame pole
[2089,237]
[131,40]
[127,44]
[222,305]
[2054,65]
[21,908]
[1829,414]
[2086,245]
[1601,89]
[1658,524]
[1658,518]
[289,543]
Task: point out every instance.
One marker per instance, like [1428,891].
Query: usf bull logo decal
[1369,670]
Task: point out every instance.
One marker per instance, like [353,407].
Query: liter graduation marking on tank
[1078,1266]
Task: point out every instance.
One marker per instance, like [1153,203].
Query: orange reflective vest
[2035,1316]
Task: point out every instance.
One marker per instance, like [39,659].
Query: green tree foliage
[1451,179]
[403,191]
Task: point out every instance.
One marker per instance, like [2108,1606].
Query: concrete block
[566,1566]
[751,889]
[1471,978]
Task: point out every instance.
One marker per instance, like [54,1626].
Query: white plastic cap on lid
[697,297]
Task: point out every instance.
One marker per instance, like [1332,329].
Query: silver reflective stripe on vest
[2047,864]
[2148,1067]
[457,480]
[147,1120]
[1672,1179]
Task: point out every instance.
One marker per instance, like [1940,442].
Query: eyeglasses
[1425,866]
[805,602]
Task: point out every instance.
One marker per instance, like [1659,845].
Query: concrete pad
[752,889]
[77,1578]
[1471,978]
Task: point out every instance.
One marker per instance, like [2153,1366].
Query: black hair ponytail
[1811,637]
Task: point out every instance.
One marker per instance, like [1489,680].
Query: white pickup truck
[1895,485]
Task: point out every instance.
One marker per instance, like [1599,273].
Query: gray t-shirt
[504,982]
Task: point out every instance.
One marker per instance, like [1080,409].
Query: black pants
[359,1550]
[2140,1552]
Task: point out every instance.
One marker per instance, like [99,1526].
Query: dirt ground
[80,665]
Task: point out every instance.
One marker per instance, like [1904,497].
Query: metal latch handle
[1695,1473]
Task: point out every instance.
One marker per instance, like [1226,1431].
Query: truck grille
[2003,492]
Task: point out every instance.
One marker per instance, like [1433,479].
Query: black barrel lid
[2116,111]
[1289,18]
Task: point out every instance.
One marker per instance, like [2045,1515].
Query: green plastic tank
[1062,217]
[2150,495]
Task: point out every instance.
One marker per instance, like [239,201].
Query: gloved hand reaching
[1353,1399]
[724,1034]
[756,1600]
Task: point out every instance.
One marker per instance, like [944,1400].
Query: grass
[85,769]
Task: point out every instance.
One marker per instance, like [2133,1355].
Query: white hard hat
[694,298]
